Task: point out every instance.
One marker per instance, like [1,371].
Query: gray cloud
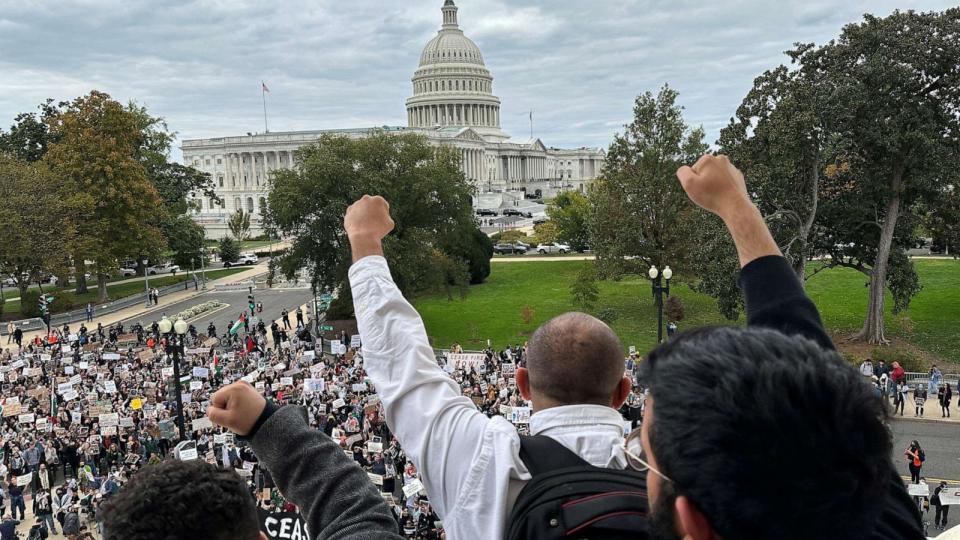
[331,64]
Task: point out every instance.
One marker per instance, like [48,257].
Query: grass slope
[493,310]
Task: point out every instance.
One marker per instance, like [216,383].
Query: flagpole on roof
[263,94]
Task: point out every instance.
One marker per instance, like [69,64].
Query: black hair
[182,499]
[769,435]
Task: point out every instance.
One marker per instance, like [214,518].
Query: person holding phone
[915,459]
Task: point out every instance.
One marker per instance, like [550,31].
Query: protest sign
[24,480]
[126,421]
[282,525]
[110,387]
[412,488]
[918,490]
[166,372]
[254,375]
[76,417]
[66,369]
[520,415]
[202,423]
[64,387]
[26,418]
[337,403]
[70,395]
[108,431]
[110,356]
[75,380]
[109,419]
[201,372]
[286,381]
[466,361]
[195,385]
[355,341]
[950,495]
[508,370]
[313,386]
[377,479]
[84,365]
[506,410]
[136,404]
[358,387]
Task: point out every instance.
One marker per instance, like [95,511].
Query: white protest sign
[167,371]
[84,365]
[248,465]
[67,369]
[280,367]
[359,387]
[106,431]
[111,356]
[520,415]
[286,381]
[355,341]
[70,395]
[201,372]
[918,490]
[195,385]
[64,387]
[466,361]
[260,385]
[313,386]
[46,357]
[188,454]
[24,480]
[126,421]
[110,387]
[377,479]
[411,489]
[186,397]
[254,375]
[75,379]
[202,423]
[337,403]
[109,419]
[950,496]
[26,418]
[76,417]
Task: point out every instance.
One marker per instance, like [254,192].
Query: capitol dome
[452,87]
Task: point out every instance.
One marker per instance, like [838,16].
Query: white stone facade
[452,104]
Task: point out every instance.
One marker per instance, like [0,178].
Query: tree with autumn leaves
[103,189]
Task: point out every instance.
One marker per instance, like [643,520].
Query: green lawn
[122,290]
[493,309]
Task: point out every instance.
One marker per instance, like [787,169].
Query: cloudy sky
[334,63]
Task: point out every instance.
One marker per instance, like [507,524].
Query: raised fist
[368,219]
[236,407]
[716,185]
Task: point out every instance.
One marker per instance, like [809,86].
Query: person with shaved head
[474,467]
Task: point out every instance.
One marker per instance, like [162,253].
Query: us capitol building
[452,104]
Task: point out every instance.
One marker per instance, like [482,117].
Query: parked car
[245,259]
[128,272]
[486,212]
[515,212]
[552,247]
[509,249]
[167,268]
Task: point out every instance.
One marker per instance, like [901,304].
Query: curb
[922,420]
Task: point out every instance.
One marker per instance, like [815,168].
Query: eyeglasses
[633,450]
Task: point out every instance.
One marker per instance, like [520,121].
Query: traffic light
[251,303]
[44,304]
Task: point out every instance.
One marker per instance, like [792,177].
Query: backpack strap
[542,454]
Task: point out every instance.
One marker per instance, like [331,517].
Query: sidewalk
[165,301]
[931,411]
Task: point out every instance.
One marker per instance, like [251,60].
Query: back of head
[575,359]
[182,499]
[769,435]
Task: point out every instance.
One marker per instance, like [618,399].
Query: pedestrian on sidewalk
[919,399]
[936,377]
[18,337]
[945,394]
[299,317]
[11,328]
[16,499]
[89,312]
[285,315]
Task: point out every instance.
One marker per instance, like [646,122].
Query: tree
[673,309]
[36,221]
[430,202]
[229,249]
[545,233]
[639,214]
[897,86]
[584,289]
[95,150]
[186,239]
[942,220]
[239,225]
[475,249]
[30,134]
[570,210]
[510,236]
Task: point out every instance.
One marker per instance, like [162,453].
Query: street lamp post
[174,333]
[659,290]
[146,281]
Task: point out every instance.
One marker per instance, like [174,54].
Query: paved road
[940,442]
[273,303]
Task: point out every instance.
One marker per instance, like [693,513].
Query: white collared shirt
[469,463]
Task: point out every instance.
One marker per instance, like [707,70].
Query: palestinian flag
[238,325]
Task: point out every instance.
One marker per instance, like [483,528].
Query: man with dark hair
[471,464]
[194,499]
[183,499]
[793,444]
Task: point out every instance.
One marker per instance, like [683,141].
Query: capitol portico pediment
[467,134]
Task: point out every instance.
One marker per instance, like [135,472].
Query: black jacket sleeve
[775,299]
[335,495]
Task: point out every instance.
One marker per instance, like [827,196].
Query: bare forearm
[750,234]
[364,247]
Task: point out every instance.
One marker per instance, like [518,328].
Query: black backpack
[570,499]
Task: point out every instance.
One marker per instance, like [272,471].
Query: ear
[621,392]
[693,525]
[263,536]
[523,384]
